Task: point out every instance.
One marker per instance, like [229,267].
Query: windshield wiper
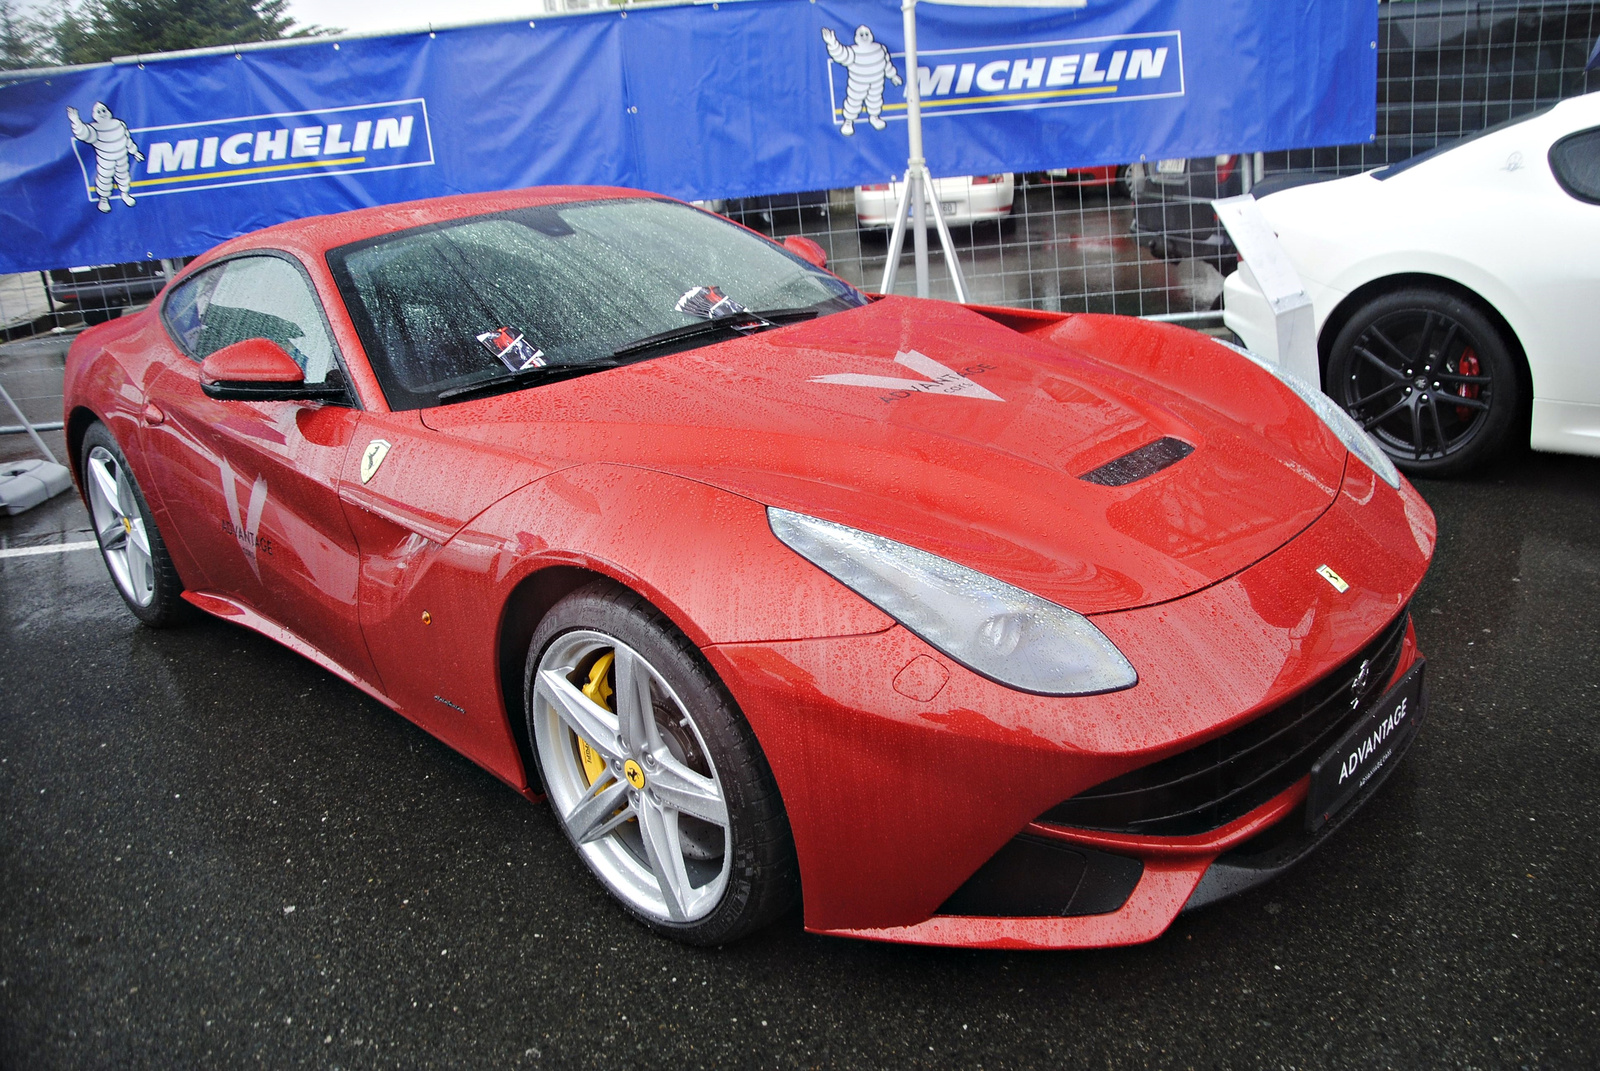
[742,323]
[527,377]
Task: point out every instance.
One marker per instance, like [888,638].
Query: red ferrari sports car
[979,626]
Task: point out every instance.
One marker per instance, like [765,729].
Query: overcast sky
[362,15]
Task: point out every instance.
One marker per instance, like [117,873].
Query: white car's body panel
[1488,215]
[961,200]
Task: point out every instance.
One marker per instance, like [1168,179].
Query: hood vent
[1145,461]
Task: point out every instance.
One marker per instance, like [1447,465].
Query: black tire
[1430,377]
[1123,187]
[155,594]
[1136,181]
[761,872]
[94,317]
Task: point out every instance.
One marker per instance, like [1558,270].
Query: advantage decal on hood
[941,380]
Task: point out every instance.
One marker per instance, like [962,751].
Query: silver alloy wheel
[653,824]
[119,525]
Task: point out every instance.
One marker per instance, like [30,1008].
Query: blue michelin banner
[167,157]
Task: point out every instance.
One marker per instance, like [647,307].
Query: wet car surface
[215,853]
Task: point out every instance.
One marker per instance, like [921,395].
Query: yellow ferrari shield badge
[1333,578]
[635,775]
[372,457]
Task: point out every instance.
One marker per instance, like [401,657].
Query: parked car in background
[777,211]
[963,199]
[1445,68]
[1113,177]
[1172,206]
[1455,291]
[100,292]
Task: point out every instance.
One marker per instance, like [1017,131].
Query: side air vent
[1145,461]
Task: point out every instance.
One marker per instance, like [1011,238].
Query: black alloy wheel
[1429,377]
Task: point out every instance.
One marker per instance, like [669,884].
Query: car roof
[313,236]
[1549,123]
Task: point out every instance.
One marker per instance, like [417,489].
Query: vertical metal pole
[917,166]
[950,260]
[897,238]
[919,230]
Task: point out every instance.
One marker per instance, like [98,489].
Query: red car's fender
[443,621]
[109,370]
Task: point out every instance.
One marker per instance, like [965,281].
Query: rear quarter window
[1575,160]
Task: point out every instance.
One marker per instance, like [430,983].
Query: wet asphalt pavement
[214,854]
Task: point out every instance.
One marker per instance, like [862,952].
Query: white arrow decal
[245,527]
[941,380]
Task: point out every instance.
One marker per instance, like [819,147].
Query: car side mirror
[258,370]
[806,249]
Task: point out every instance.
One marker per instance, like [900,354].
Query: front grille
[1223,779]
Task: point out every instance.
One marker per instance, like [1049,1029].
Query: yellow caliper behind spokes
[598,691]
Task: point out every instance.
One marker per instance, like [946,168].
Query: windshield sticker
[515,351]
[941,380]
[708,303]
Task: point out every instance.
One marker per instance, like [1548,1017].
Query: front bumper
[904,775]
[1179,874]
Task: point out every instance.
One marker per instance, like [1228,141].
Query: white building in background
[557,6]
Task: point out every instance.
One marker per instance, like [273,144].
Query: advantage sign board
[167,157]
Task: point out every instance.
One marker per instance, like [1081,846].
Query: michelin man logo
[869,64]
[112,147]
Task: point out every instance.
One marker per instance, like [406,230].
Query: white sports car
[1453,290]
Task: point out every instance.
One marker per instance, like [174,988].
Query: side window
[1575,159]
[186,305]
[252,297]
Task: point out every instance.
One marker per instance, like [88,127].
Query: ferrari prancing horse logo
[372,457]
[1338,582]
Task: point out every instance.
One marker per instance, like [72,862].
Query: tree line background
[93,31]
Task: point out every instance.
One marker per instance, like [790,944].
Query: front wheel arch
[79,421]
[1413,318]
[528,604]
[1366,293]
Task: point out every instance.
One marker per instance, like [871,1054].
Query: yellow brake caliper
[599,692]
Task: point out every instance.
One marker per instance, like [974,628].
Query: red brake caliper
[1467,366]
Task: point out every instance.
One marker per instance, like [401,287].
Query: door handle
[153,416]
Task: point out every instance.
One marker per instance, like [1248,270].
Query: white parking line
[49,548]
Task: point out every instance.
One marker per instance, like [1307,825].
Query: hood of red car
[934,425]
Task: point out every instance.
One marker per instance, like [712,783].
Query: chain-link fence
[1139,239]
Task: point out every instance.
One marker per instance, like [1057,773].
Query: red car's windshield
[464,306]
